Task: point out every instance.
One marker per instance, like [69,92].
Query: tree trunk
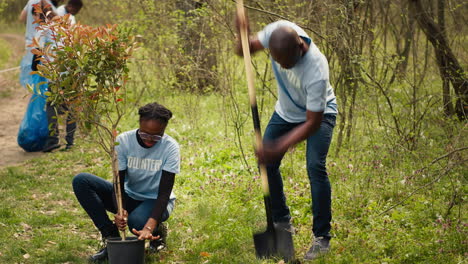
[199,60]
[447,99]
[449,66]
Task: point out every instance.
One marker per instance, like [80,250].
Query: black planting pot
[126,251]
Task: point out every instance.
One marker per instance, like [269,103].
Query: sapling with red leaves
[87,70]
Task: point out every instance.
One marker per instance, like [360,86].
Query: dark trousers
[52,115]
[316,154]
[96,197]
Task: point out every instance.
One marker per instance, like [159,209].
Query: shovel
[274,242]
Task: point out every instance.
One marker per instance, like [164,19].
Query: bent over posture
[148,161]
[306,110]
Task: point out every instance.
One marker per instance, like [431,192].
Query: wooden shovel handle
[117,189]
[250,84]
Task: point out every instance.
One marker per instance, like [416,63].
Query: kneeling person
[148,161]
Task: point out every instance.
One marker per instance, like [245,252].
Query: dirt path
[13,102]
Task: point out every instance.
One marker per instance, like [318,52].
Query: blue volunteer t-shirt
[145,165]
[306,86]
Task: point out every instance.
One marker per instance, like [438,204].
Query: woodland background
[397,161]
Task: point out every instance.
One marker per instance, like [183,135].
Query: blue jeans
[96,197]
[316,155]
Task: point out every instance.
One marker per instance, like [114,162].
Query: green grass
[13,26]
[220,204]
[5,53]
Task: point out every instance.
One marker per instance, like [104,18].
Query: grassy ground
[4,53]
[385,210]
[390,204]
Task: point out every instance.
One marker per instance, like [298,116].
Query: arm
[22,16]
[254,43]
[165,188]
[254,46]
[275,150]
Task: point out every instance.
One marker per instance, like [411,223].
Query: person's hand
[270,153]
[121,220]
[144,234]
[242,22]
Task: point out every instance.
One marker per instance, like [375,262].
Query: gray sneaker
[320,247]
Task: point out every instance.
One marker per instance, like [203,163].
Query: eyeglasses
[149,137]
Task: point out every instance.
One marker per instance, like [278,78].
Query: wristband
[149,228]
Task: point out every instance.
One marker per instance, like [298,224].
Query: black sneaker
[160,243]
[49,147]
[157,245]
[69,146]
[99,257]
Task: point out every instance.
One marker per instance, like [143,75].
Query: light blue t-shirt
[30,33]
[306,86]
[145,165]
[30,25]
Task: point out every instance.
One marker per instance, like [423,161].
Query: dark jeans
[96,197]
[52,113]
[316,154]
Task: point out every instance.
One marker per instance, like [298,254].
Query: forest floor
[13,102]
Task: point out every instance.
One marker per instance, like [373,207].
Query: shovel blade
[265,244]
[284,244]
[274,243]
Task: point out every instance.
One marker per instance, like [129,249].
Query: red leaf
[204,254]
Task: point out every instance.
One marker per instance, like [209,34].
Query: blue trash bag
[33,131]
[25,76]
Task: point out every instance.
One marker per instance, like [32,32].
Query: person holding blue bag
[39,130]
[34,130]
[44,38]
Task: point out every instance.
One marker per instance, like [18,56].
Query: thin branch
[430,183]
[420,188]
[443,156]
[282,17]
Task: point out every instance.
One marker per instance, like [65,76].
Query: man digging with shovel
[306,110]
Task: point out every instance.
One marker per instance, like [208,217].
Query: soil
[13,102]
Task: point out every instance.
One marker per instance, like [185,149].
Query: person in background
[53,112]
[43,39]
[72,8]
[148,161]
[306,109]
[26,16]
